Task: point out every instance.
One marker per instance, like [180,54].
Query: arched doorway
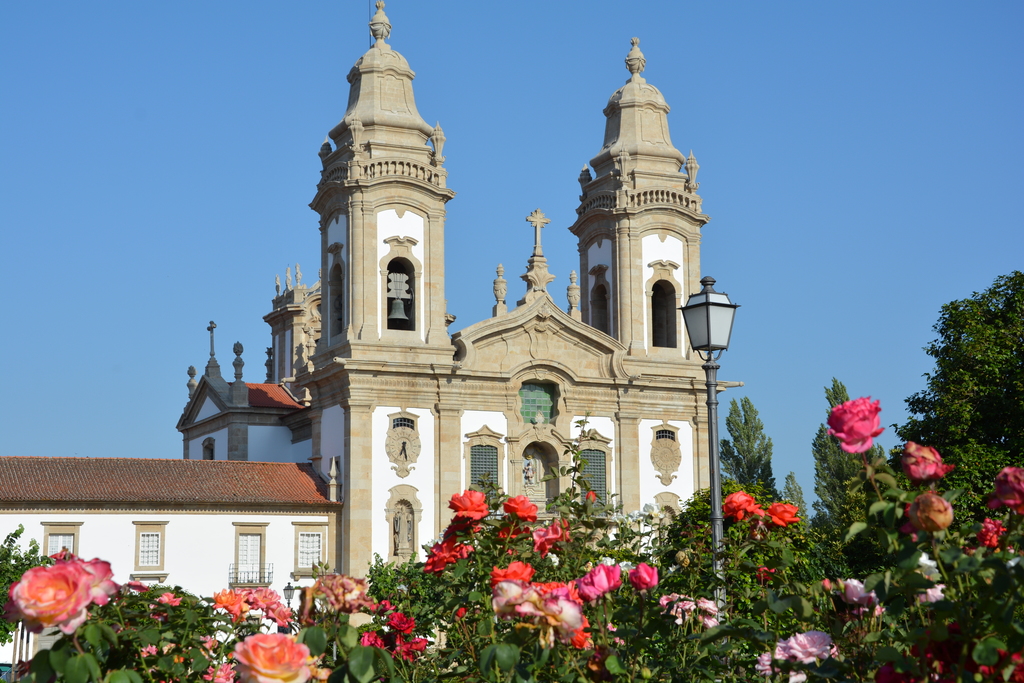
[539,462]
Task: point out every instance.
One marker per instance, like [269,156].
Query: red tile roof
[270,396]
[144,480]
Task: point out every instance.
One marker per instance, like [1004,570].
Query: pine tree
[834,468]
[794,493]
[747,458]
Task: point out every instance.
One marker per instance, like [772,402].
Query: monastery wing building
[372,415]
[365,382]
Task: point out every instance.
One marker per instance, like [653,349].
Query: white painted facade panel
[600,253]
[220,445]
[270,443]
[474,421]
[650,484]
[208,409]
[332,440]
[421,477]
[409,225]
[653,249]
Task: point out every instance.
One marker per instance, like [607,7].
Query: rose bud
[931,512]
[923,464]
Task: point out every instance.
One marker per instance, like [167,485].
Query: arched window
[665,434]
[599,308]
[208,448]
[663,315]
[337,294]
[401,310]
[483,465]
[594,472]
[537,402]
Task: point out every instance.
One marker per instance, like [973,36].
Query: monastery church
[373,412]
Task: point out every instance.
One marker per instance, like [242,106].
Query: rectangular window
[483,464]
[58,536]
[250,566]
[311,547]
[149,549]
[594,472]
[60,542]
[150,539]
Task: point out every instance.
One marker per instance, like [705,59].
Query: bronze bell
[397,310]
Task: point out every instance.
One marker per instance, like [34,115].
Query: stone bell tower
[638,224]
[381,200]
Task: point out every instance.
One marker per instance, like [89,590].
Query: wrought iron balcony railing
[251,573]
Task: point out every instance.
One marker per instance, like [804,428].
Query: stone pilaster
[448,480]
[628,458]
[356,545]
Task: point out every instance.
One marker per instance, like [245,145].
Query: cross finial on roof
[538,220]
[210,329]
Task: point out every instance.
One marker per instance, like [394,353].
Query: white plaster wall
[474,421]
[384,478]
[653,249]
[220,445]
[198,547]
[302,451]
[288,353]
[650,484]
[270,443]
[332,440]
[599,253]
[409,225]
[604,426]
[208,409]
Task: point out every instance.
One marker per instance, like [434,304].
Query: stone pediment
[205,402]
[538,333]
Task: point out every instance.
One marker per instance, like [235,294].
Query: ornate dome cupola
[381,98]
[637,124]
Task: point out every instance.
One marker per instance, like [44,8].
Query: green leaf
[886,479]
[614,666]
[360,664]
[484,627]
[76,669]
[854,529]
[878,506]
[487,659]
[887,653]
[348,636]
[506,656]
[150,636]
[41,668]
[986,651]
[315,639]
[119,676]
[59,657]
[108,633]
[476,596]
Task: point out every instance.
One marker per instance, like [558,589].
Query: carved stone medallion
[666,458]
[403,448]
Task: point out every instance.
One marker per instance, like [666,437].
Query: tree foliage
[747,457]
[794,493]
[972,409]
[13,563]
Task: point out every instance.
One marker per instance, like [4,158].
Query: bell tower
[381,200]
[638,224]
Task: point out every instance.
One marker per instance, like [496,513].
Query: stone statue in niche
[402,531]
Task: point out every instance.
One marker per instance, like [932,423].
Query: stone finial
[573,294]
[333,487]
[380,27]
[238,362]
[288,278]
[538,220]
[270,364]
[210,329]
[277,284]
[585,176]
[325,148]
[500,290]
[635,60]
[691,170]
[239,392]
[537,277]
[212,366]
[437,139]
[298,275]
[192,383]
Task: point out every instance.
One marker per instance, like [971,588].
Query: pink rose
[644,577]
[933,594]
[707,606]
[931,512]
[1009,490]
[169,599]
[52,596]
[598,581]
[808,647]
[855,423]
[506,596]
[371,639]
[272,658]
[546,537]
[923,464]
[854,593]
[225,673]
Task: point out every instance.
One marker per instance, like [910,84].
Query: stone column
[448,456]
[627,446]
[355,275]
[357,517]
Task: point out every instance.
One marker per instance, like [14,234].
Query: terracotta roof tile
[145,480]
[270,396]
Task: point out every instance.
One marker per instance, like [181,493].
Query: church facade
[365,381]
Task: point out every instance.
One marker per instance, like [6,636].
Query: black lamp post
[289,593]
[708,316]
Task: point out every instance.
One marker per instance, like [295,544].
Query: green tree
[13,563]
[834,469]
[972,410]
[794,493]
[747,458]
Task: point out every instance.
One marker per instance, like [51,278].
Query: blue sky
[860,162]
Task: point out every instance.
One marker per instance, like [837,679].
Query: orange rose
[233,602]
[931,512]
[783,514]
[51,596]
[272,658]
[522,508]
[518,571]
[469,505]
[739,505]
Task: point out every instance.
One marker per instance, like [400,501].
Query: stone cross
[210,329]
[538,220]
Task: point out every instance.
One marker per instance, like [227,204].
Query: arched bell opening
[401,308]
[663,315]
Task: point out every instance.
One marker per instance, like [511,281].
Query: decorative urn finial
[437,139]
[691,170]
[380,27]
[635,60]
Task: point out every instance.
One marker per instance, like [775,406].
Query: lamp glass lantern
[708,316]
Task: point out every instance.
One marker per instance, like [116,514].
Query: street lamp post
[708,316]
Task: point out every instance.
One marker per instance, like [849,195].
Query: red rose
[923,464]
[739,504]
[469,505]
[371,639]
[643,577]
[521,507]
[931,512]
[401,623]
[445,553]
[517,571]
[1009,490]
[546,537]
[783,514]
[991,530]
[855,423]
[764,575]
[591,497]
